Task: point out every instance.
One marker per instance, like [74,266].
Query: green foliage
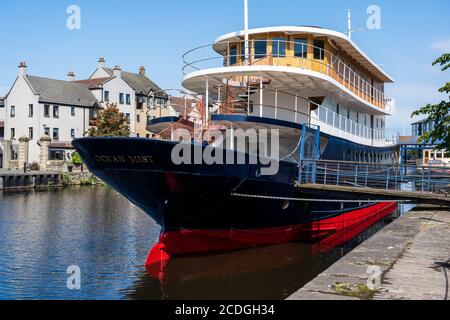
[34,166]
[76,159]
[438,113]
[110,123]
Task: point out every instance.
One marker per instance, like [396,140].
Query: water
[43,233]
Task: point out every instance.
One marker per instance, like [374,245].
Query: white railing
[325,116]
[285,53]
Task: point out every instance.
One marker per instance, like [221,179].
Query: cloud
[442,45]
[409,97]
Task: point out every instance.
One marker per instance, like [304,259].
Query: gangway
[375,181]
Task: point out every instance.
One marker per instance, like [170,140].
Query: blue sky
[156,34]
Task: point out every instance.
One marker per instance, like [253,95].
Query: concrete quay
[16,180]
[407,260]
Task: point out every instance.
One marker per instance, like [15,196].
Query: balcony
[287,56]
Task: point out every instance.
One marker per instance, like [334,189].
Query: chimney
[101,62]
[142,71]
[70,76]
[117,72]
[22,69]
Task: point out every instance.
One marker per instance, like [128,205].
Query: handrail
[328,63]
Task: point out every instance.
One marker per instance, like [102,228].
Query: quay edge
[411,254]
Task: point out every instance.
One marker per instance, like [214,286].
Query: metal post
[423,178]
[429,178]
[325,175]
[246,31]
[302,153]
[276,104]
[316,154]
[338,173]
[367,174]
[261,96]
[296,108]
[356,175]
[207,102]
[387,180]
[219,97]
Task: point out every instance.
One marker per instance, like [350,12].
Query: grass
[360,291]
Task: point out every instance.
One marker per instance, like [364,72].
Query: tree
[110,122]
[438,113]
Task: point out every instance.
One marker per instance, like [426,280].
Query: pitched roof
[94,83]
[141,84]
[62,92]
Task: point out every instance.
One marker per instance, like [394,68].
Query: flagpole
[247,53]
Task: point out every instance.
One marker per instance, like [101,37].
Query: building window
[300,48]
[147,136]
[138,135]
[378,123]
[13,111]
[30,133]
[121,98]
[55,111]
[55,134]
[56,155]
[30,110]
[13,133]
[338,111]
[47,131]
[138,118]
[260,48]
[365,120]
[279,47]
[72,111]
[319,46]
[106,96]
[46,111]
[128,117]
[357,117]
[348,114]
[72,133]
[128,99]
[233,55]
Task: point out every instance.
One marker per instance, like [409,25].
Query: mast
[246,31]
[349,23]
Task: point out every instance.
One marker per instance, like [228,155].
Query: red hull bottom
[325,234]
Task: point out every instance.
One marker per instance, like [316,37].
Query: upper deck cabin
[295,59]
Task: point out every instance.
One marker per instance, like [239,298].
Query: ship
[321,94]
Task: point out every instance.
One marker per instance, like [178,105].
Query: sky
[157,33]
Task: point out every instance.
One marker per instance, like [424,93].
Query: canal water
[42,234]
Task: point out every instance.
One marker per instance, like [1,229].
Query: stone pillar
[6,154]
[43,157]
[23,151]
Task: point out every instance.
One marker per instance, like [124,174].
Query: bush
[76,159]
[34,166]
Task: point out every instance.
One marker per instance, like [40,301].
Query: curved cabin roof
[342,40]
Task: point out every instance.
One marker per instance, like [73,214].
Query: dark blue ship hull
[197,205]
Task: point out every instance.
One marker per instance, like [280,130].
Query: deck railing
[321,116]
[375,175]
[304,56]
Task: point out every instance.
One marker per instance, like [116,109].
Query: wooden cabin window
[279,47]
[260,48]
[315,102]
[233,55]
[319,47]
[300,48]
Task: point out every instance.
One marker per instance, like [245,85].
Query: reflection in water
[42,233]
